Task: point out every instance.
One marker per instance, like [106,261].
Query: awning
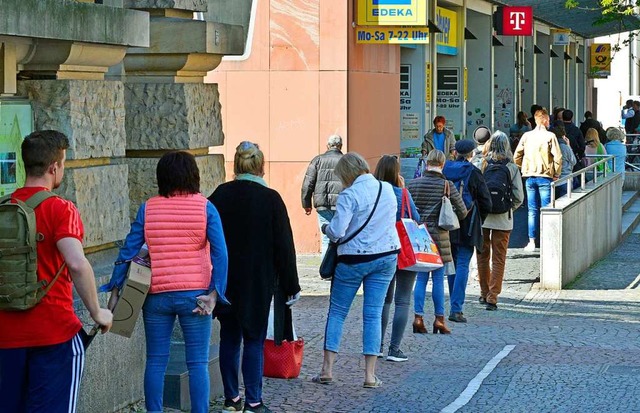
[579,20]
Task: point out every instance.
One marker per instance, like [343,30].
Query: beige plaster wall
[304,80]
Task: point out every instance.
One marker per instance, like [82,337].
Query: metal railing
[632,162]
[591,170]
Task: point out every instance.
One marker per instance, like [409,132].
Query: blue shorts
[41,379]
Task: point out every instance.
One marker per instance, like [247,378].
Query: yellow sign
[465,84]
[392,13]
[392,35]
[600,66]
[447,41]
[427,81]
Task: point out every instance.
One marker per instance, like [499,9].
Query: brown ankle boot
[439,326]
[418,325]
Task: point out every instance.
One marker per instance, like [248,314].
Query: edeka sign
[392,35]
[447,41]
[600,66]
[392,13]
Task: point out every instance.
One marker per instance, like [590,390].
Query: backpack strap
[44,292]
[37,198]
[33,202]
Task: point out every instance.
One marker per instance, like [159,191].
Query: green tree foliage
[622,12]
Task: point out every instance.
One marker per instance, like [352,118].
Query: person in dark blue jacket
[475,194]
[401,286]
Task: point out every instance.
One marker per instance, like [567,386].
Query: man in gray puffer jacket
[321,183]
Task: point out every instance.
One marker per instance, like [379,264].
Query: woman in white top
[369,259]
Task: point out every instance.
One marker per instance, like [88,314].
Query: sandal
[322,380]
[374,384]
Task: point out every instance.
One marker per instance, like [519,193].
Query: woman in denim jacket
[369,259]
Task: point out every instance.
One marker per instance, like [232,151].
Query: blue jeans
[538,196]
[232,337]
[399,291]
[324,217]
[159,313]
[375,276]
[437,293]
[458,282]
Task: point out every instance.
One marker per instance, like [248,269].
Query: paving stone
[577,350]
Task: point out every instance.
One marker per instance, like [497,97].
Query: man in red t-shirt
[41,350]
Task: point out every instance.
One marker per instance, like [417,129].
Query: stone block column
[171,116]
[91,114]
[168,107]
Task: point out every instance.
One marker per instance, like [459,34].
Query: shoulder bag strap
[405,204]
[445,193]
[352,236]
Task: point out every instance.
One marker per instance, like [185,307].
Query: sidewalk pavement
[576,350]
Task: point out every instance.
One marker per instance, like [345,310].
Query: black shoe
[231,406]
[457,318]
[482,300]
[491,307]
[261,408]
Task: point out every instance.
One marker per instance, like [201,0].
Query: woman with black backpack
[504,181]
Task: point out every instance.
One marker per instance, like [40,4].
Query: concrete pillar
[528,94]
[557,77]
[543,71]
[572,102]
[504,86]
[581,81]
[479,72]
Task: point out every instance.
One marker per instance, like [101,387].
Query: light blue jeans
[437,294]
[159,314]
[538,196]
[399,292]
[458,282]
[375,276]
[324,217]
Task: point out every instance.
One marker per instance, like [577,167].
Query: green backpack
[20,288]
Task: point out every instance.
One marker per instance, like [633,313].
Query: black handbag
[330,259]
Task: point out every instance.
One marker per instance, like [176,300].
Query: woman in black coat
[262,261]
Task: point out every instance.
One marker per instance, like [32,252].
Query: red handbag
[283,361]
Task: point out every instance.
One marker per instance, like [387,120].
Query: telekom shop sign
[514,21]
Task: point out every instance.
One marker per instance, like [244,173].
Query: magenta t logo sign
[517,20]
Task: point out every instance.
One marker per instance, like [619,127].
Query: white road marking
[474,385]
[634,284]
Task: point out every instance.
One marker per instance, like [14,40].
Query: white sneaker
[531,246]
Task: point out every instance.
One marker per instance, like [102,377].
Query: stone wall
[172,116]
[90,113]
